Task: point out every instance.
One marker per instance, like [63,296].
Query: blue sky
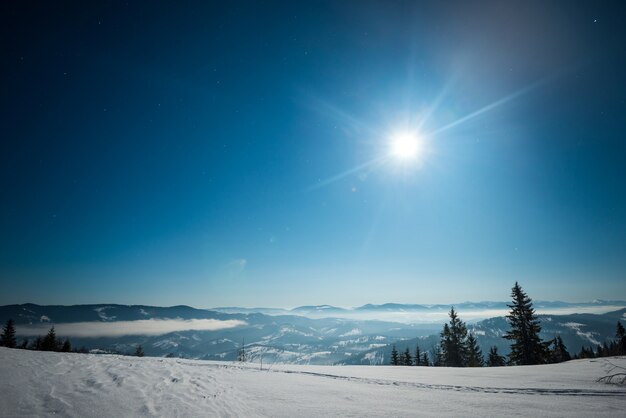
[216,155]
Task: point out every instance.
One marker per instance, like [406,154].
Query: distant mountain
[429,314]
[392,307]
[266,311]
[293,338]
[424,307]
[282,338]
[317,309]
[30,313]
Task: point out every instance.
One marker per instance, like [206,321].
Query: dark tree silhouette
[526,347]
[49,342]
[474,353]
[395,358]
[418,356]
[8,335]
[454,342]
[620,335]
[558,351]
[406,359]
[425,359]
[139,351]
[66,347]
[585,353]
[495,359]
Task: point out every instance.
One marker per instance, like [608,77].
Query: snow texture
[85,385]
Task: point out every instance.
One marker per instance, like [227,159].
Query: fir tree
[49,342]
[454,342]
[526,347]
[395,359]
[8,335]
[418,355]
[425,359]
[474,353]
[66,347]
[558,352]
[495,359]
[139,351]
[406,358]
[585,353]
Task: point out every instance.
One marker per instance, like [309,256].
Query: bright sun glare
[405,146]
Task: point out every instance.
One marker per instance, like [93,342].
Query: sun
[405,146]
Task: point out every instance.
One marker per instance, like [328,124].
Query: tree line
[459,348]
[48,342]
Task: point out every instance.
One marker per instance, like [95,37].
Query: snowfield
[85,385]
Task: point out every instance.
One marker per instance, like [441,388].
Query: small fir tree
[558,351]
[495,359]
[425,359]
[139,351]
[8,335]
[395,358]
[418,356]
[474,353]
[49,342]
[66,347]
[407,360]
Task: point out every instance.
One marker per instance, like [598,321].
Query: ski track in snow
[83,385]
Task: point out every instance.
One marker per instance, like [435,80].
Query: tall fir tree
[425,360]
[8,335]
[474,353]
[495,359]
[395,358]
[454,342]
[526,345]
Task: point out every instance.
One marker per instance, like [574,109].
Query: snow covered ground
[84,385]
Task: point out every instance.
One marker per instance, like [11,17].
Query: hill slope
[45,384]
